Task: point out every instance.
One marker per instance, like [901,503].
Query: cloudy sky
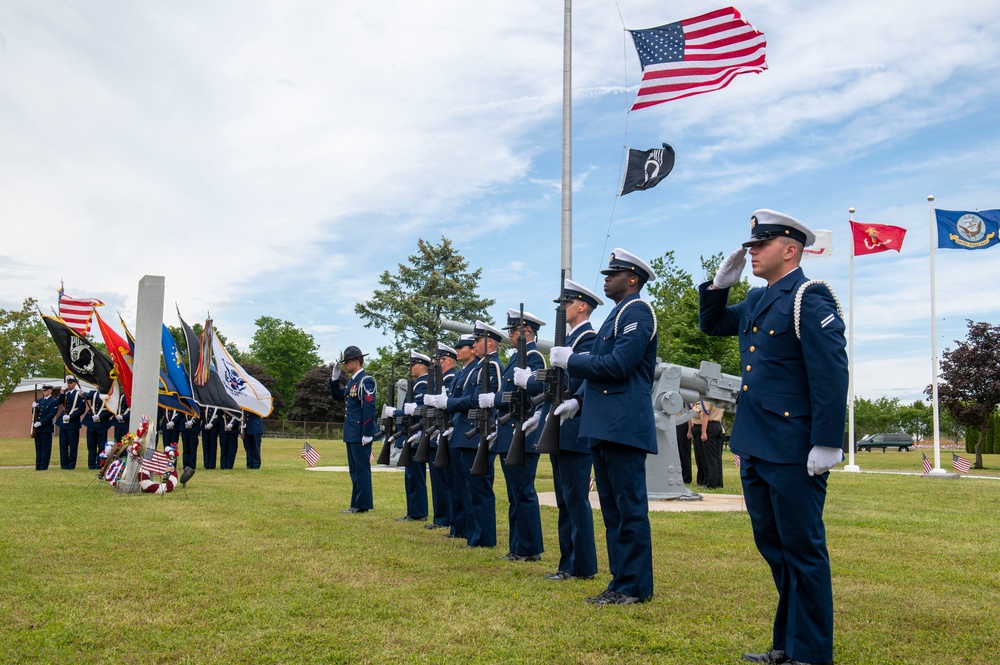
[273,158]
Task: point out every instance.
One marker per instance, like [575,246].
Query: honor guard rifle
[388,422]
[555,377]
[406,456]
[518,402]
[34,414]
[428,424]
[484,418]
[440,416]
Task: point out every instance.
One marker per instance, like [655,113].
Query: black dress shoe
[599,598]
[529,557]
[350,510]
[509,556]
[407,518]
[435,526]
[802,662]
[559,576]
[772,656]
[615,598]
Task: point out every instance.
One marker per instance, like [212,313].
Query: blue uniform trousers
[210,446]
[189,451]
[620,473]
[440,491]
[360,468]
[415,482]
[43,450]
[69,444]
[461,502]
[523,515]
[96,438]
[571,480]
[481,529]
[786,511]
[251,442]
[229,443]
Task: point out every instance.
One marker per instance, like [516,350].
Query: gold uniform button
[770,332]
[605,392]
[748,368]
[752,349]
[755,328]
[746,388]
[786,414]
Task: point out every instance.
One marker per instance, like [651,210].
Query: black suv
[898,440]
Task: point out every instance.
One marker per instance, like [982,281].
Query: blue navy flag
[958,229]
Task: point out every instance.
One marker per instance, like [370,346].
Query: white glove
[38,424]
[388,411]
[409,408]
[730,269]
[65,419]
[335,374]
[229,428]
[486,400]
[365,440]
[437,401]
[170,424]
[34,405]
[522,376]
[559,355]
[822,459]
[531,424]
[208,425]
[448,432]
[188,423]
[415,438]
[491,438]
[121,419]
[568,409]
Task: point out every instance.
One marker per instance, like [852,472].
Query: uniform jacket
[254,423]
[618,378]
[97,417]
[45,412]
[794,393]
[468,398]
[359,398]
[581,339]
[73,403]
[419,390]
[447,379]
[505,435]
[213,417]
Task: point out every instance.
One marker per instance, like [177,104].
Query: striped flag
[371,457]
[310,454]
[927,464]
[736,460]
[593,483]
[696,55]
[960,464]
[154,461]
[76,312]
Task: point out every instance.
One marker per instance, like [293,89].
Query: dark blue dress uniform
[253,434]
[73,403]
[794,397]
[441,477]
[228,440]
[190,428]
[359,422]
[461,501]
[415,474]
[571,479]
[172,420]
[123,419]
[45,412]
[97,420]
[212,423]
[617,417]
[523,515]
[481,526]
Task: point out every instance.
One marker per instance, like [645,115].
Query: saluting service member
[461,500]
[415,473]
[44,412]
[617,416]
[359,424]
[441,477]
[789,427]
[523,516]
[571,467]
[73,404]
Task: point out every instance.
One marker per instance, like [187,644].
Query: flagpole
[851,466]
[567,133]
[934,359]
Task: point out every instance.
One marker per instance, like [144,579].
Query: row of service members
[219,431]
[787,431]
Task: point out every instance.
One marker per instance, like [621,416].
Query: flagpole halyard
[934,359]
[851,466]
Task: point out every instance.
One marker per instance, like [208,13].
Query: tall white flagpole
[567,136]
[851,466]
[934,359]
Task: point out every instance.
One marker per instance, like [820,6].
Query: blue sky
[273,158]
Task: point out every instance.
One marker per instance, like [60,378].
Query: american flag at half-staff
[310,454]
[696,55]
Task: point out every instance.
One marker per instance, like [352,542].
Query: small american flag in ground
[310,454]
[154,461]
[696,55]
[736,460]
[927,464]
[960,464]
[593,483]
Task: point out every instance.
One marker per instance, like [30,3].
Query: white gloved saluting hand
[335,374]
[730,269]
[822,459]
[568,409]
[522,376]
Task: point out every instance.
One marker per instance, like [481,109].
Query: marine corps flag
[647,167]
[873,238]
[79,355]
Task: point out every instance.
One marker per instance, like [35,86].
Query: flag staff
[934,359]
[851,466]
[567,134]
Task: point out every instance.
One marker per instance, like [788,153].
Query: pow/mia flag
[647,167]
[79,355]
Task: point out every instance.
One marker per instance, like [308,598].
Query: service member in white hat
[789,428]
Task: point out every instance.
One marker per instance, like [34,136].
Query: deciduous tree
[285,352]
[26,349]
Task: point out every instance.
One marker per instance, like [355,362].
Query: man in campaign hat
[43,412]
[789,428]
[359,424]
[617,417]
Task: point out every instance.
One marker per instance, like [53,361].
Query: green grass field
[261,567]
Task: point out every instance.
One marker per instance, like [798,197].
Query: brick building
[15,412]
